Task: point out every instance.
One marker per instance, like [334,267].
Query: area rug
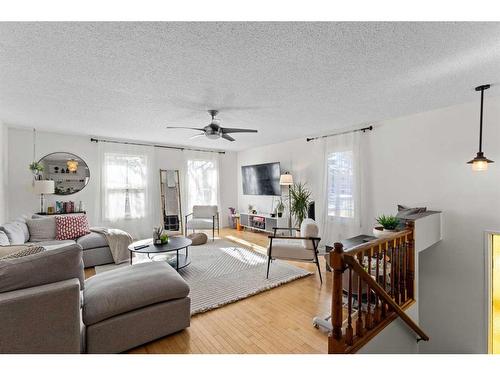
[222,272]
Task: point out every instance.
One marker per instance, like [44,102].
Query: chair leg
[268,264]
[317,263]
[213,231]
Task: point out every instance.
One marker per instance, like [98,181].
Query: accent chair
[299,249]
[203,218]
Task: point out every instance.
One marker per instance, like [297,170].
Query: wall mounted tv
[261,179]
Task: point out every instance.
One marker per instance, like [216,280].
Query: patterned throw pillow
[71,227]
[28,250]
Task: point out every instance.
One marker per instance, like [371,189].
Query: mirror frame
[162,202]
[76,156]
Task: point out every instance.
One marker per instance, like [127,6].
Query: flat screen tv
[261,179]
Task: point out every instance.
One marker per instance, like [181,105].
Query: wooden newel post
[338,266]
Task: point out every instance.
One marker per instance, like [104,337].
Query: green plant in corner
[301,198]
[388,222]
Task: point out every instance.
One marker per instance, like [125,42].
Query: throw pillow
[71,227]
[14,232]
[43,229]
[4,240]
[28,250]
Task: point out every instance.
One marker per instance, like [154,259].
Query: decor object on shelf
[301,197]
[388,225]
[287,180]
[164,237]
[69,172]
[280,207]
[43,187]
[36,168]
[72,165]
[480,162]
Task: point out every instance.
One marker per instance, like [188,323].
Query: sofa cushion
[92,240]
[43,229]
[200,224]
[14,232]
[308,228]
[22,224]
[4,240]
[71,227]
[129,288]
[54,244]
[42,268]
[291,251]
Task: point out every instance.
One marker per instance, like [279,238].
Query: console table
[262,222]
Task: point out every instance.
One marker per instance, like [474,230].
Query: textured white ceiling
[129,80]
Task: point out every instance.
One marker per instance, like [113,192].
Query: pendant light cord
[34,144]
[481,123]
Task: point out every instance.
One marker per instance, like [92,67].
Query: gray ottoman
[133,305]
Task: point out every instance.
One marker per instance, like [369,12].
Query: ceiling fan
[214,130]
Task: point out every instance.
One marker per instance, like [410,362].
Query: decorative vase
[380,232]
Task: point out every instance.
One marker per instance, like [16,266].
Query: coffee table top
[173,244]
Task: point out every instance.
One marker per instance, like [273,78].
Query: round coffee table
[174,244]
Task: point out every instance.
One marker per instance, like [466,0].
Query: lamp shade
[43,187]
[286,179]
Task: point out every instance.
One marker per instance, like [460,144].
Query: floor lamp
[43,187]
[287,180]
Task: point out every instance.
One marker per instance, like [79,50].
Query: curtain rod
[346,132]
[157,146]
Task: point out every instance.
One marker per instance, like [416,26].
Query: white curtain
[201,177]
[342,188]
[129,187]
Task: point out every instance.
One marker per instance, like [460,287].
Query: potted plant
[280,207]
[388,225]
[300,199]
[36,168]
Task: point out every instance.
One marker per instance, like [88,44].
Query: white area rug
[222,272]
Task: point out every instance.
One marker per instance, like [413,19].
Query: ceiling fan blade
[234,130]
[184,127]
[197,135]
[227,137]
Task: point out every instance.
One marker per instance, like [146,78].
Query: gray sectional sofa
[46,306]
[41,230]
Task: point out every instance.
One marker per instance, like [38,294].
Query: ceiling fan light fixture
[480,162]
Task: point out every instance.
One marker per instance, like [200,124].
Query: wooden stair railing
[380,274]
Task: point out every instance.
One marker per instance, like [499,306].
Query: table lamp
[43,187]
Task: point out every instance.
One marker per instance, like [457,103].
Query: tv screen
[261,179]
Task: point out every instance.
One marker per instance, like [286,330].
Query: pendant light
[480,162]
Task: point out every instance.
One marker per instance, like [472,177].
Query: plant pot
[280,214]
[380,232]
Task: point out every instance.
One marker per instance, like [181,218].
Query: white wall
[23,201]
[3,173]
[420,160]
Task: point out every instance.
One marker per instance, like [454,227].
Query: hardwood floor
[275,321]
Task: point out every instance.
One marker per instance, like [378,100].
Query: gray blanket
[118,241]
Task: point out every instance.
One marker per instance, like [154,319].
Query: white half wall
[3,173]
[420,160]
[23,201]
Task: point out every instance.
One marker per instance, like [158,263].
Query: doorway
[494,294]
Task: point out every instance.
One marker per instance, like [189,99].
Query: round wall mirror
[69,172]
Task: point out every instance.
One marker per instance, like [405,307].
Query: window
[202,182]
[341,184]
[125,180]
